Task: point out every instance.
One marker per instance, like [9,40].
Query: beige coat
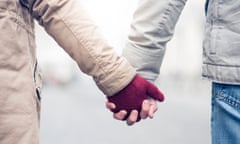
[20,79]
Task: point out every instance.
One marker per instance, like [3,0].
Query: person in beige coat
[20,78]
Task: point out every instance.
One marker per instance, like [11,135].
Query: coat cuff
[117,80]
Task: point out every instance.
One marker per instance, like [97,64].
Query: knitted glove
[133,95]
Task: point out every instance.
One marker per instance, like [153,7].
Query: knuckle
[131,120]
[144,117]
[145,108]
[130,123]
[117,117]
[143,114]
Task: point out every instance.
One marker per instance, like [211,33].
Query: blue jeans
[225,121]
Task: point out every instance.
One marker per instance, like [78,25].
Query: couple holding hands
[127,81]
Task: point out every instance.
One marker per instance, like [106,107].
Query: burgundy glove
[133,95]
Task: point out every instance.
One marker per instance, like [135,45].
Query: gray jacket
[153,26]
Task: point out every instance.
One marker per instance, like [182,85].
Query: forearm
[152,27]
[68,24]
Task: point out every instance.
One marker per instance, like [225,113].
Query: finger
[132,117]
[110,105]
[120,115]
[153,108]
[145,109]
[154,92]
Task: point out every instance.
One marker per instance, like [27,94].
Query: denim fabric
[225,121]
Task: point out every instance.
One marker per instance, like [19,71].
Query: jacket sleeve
[151,28]
[68,24]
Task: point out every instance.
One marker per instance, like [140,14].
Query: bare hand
[149,107]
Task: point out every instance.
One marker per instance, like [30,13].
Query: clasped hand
[138,100]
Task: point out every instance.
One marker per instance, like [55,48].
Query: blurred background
[73,109]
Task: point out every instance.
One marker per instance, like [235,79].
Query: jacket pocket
[229,94]
[38,87]
[38,81]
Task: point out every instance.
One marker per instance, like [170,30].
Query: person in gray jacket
[153,26]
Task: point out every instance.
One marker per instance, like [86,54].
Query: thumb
[154,92]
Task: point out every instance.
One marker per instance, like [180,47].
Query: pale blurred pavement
[75,114]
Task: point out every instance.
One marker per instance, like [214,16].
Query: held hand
[149,107]
[131,98]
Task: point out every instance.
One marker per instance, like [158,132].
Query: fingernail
[123,112]
[113,106]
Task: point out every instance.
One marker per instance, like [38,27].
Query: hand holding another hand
[132,103]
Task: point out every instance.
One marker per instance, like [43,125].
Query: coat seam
[222,65]
[79,41]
